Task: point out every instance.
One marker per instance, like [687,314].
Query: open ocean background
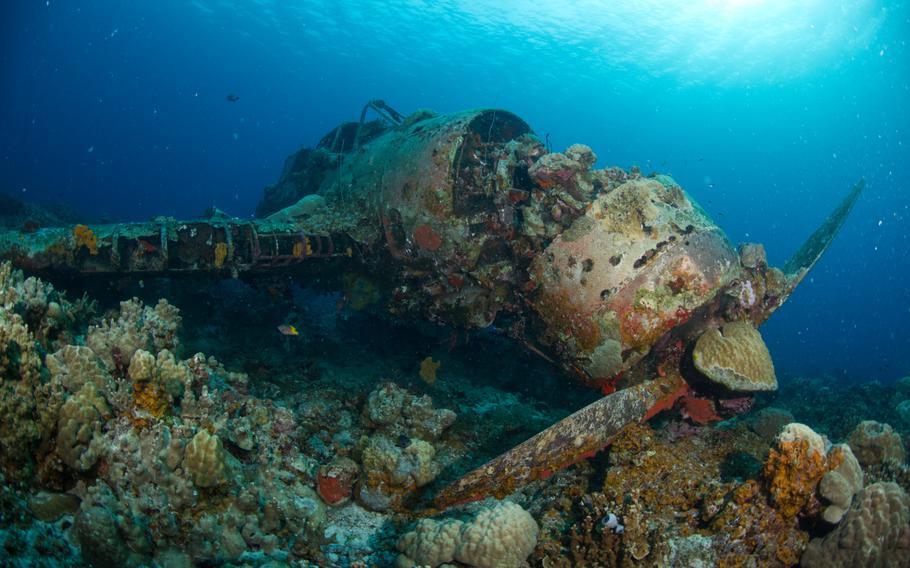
[766,112]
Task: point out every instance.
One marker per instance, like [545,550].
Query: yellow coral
[794,468]
[302,248]
[502,535]
[221,251]
[150,399]
[85,237]
[142,366]
[392,472]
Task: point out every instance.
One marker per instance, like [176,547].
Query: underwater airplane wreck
[468,220]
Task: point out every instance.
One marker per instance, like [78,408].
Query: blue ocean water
[765,111]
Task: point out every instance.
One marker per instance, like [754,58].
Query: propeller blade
[815,246]
[576,437]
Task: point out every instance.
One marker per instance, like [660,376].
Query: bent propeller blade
[592,428]
[569,441]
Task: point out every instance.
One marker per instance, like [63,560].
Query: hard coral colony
[118,449]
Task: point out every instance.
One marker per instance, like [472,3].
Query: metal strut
[384,111]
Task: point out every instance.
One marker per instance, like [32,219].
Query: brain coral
[736,357]
[501,536]
[875,532]
[431,543]
[205,460]
[874,443]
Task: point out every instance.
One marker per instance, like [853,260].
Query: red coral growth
[331,489]
[335,481]
[666,403]
[427,238]
[607,385]
[146,247]
[698,410]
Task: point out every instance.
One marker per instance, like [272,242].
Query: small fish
[232,98]
[288,330]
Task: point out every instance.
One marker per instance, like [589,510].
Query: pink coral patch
[427,238]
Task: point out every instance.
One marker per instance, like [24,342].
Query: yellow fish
[288,330]
[428,368]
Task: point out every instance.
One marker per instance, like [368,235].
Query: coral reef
[399,456]
[205,461]
[135,327]
[667,492]
[33,317]
[875,532]
[903,413]
[874,443]
[736,357]
[840,484]
[811,400]
[115,442]
[501,536]
[794,468]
